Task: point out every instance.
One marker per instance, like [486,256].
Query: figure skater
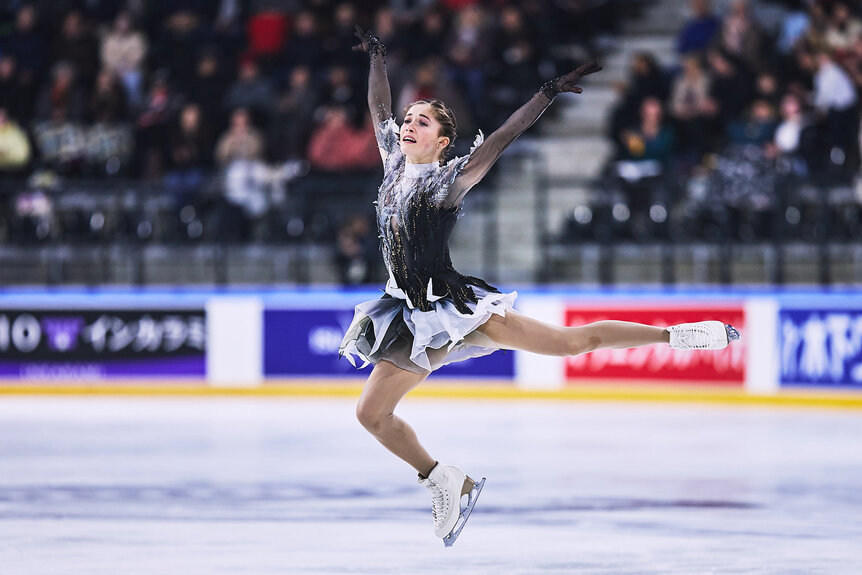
[430,315]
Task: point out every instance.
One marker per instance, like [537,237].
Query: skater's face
[421,139]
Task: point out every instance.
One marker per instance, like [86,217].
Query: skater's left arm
[484,157]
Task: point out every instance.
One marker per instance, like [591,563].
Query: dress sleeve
[380,104]
[467,171]
[387,135]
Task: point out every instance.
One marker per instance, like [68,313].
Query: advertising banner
[94,344]
[820,347]
[305,342]
[659,363]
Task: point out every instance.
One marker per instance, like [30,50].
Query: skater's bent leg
[516,331]
[385,387]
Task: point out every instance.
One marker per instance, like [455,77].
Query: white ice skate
[446,484]
[702,335]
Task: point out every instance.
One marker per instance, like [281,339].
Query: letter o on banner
[26,333]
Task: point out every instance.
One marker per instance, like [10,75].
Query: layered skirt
[422,341]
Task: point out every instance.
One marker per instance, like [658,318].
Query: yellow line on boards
[490,391]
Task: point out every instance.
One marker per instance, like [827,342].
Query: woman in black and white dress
[431,315]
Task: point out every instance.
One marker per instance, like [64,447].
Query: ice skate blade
[732,333]
[449,540]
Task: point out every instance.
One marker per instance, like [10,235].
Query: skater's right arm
[379,93]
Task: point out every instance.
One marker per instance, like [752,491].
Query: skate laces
[439,500]
[704,335]
[696,336]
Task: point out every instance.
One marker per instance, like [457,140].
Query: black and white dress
[429,313]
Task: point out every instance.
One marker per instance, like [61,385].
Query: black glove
[368,42]
[566,83]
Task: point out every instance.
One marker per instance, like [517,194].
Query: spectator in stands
[648,153]
[397,43]
[842,31]
[800,69]
[241,141]
[208,88]
[340,90]
[835,98]
[793,138]
[108,99]
[303,47]
[176,46]
[15,96]
[251,91]
[699,30]
[691,105]
[28,45]
[14,145]
[653,138]
[646,80]
[517,73]
[431,35]
[77,45]
[154,124]
[818,23]
[545,25]
[123,52]
[756,129]
[110,141]
[766,88]
[740,35]
[239,152]
[63,94]
[468,48]
[730,87]
[190,153]
[229,28]
[293,117]
[336,146]
[338,43]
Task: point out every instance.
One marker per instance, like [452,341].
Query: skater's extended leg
[516,331]
[385,387]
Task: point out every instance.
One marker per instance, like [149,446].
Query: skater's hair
[448,124]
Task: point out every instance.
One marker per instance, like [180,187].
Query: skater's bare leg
[385,387]
[516,331]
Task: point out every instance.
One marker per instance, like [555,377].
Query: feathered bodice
[415,217]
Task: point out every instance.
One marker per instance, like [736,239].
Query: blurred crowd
[744,103]
[101,87]
[257,91]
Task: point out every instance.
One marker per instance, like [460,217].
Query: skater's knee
[581,340]
[371,417]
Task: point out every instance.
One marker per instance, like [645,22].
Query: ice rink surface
[289,485]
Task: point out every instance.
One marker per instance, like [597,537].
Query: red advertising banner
[659,362]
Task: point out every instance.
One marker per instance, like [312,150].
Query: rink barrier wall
[499,391]
[93,340]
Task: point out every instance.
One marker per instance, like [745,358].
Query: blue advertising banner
[820,347]
[305,342]
[95,344]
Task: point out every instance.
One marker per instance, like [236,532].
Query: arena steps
[574,148]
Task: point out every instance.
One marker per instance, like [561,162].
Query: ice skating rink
[208,485]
